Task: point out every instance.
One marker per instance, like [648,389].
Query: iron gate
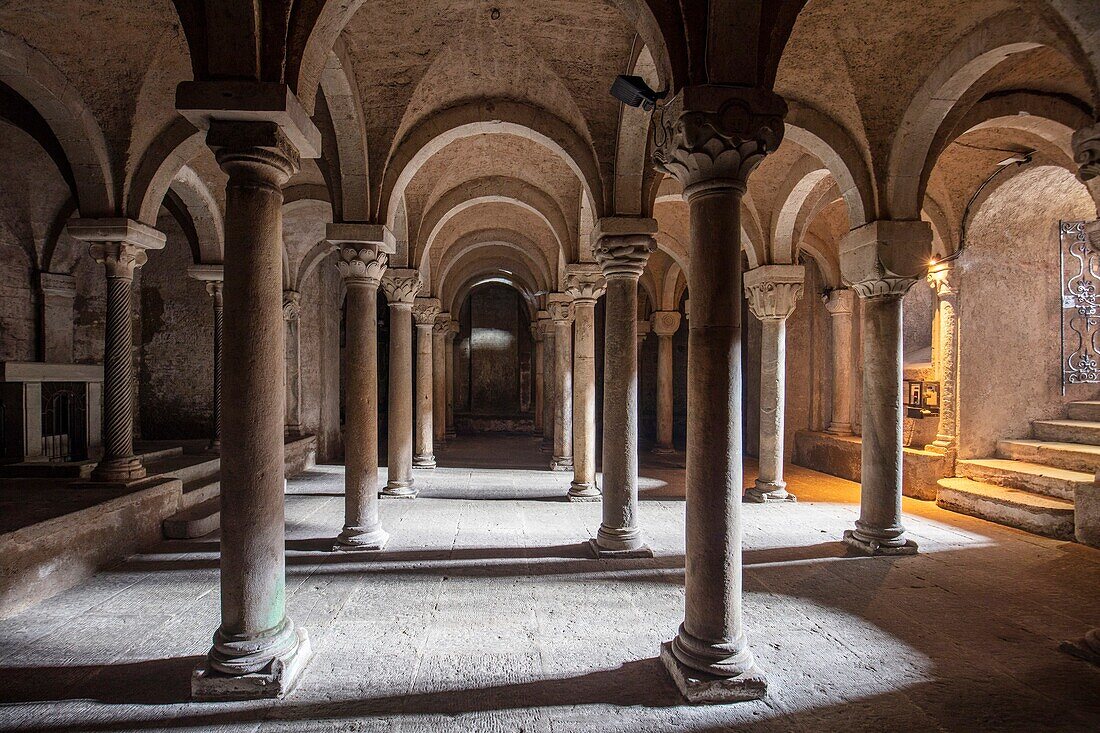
[63,421]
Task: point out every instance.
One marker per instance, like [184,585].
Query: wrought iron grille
[1080,308]
[63,424]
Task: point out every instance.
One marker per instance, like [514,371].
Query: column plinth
[214,276]
[362,266]
[839,305]
[584,284]
[713,137]
[772,292]
[425,311]
[121,246]
[401,287]
[664,324]
[561,313]
[622,257]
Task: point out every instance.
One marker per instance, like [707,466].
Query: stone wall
[494,349]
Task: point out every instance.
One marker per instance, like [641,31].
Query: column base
[356,539]
[662,450]
[1087,647]
[876,547]
[840,429]
[603,553]
[215,446]
[583,492]
[767,492]
[561,464]
[451,434]
[424,462]
[275,680]
[402,490]
[940,445]
[701,688]
[119,470]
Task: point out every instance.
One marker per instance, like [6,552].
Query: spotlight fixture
[633,91]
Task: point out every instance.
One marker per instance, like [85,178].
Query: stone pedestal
[944,279]
[561,313]
[362,265]
[664,324]
[839,304]
[214,276]
[439,376]
[292,314]
[622,248]
[121,246]
[713,138]
[584,284]
[425,311]
[401,287]
[545,325]
[772,291]
[257,650]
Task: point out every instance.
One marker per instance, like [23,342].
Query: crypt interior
[560,365]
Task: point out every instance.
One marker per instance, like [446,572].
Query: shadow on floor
[150,682]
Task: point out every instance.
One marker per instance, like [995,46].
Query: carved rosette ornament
[665,323]
[1086,152]
[425,311]
[292,305]
[584,282]
[624,255]
[401,286]
[712,133]
[365,265]
[773,290]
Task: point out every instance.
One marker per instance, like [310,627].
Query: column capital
[120,245]
[624,255]
[361,263]
[560,307]
[543,324]
[773,290]
[710,135]
[56,284]
[292,305]
[885,251]
[840,301]
[452,329]
[665,323]
[425,311]
[943,277]
[442,323]
[360,235]
[401,285]
[206,273]
[884,287]
[642,328]
[584,282]
[1086,151]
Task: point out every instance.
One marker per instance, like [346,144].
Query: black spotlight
[633,90]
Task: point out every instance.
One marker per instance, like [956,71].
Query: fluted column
[584,284]
[439,376]
[292,314]
[944,277]
[258,651]
[452,333]
[839,304]
[712,139]
[425,311]
[561,313]
[870,258]
[213,276]
[549,356]
[664,324]
[401,287]
[121,246]
[622,248]
[772,291]
[361,267]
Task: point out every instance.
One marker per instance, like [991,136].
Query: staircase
[1031,484]
[200,504]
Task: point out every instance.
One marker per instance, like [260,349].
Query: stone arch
[804,179]
[311,261]
[292,267]
[173,148]
[672,287]
[345,109]
[514,242]
[812,245]
[530,297]
[631,150]
[202,207]
[35,78]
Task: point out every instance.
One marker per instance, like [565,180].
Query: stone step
[1024,510]
[187,467]
[154,454]
[200,491]
[1041,479]
[1087,410]
[1067,431]
[1071,456]
[196,521]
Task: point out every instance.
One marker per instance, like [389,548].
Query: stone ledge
[839,455]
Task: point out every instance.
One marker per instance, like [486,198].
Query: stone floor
[486,614]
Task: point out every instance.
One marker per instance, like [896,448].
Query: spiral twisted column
[622,249]
[121,246]
[664,324]
[711,138]
[400,287]
[440,329]
[560,307]
[584,284]
[839,305]
[361,266]
[425,311]
[772,292]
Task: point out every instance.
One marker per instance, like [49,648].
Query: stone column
[713,139]
[440,329]
[665,324]
[425,311]
[452,332]
[561,312]
[839,305]
[292,312]
[549,356]
[214,276]
[584,284]
[772,291]
[944,278]
[121,246]
[362,265]
[539,370]
[56,292]
[401,287]
[257,651]
[870,257]
[622,248]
